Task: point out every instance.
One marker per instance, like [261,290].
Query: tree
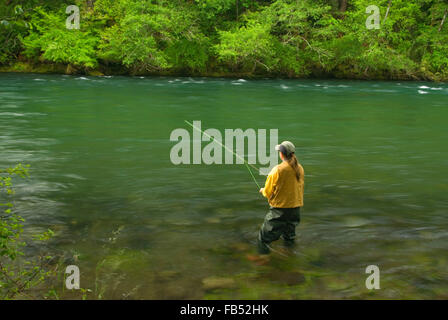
[147,36]
[247,47]
[49,39]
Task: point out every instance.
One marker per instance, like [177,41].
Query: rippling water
[139,227]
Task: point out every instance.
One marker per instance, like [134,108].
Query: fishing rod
[238,156]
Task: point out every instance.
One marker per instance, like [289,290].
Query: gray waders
[279,222]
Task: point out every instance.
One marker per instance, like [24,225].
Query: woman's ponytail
[292,161]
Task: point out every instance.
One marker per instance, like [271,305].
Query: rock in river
[213,283]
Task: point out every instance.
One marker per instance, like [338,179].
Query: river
[140,227]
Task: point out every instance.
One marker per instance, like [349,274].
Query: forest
[228,38]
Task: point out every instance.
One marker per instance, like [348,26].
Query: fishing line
[253,177]
[238,156]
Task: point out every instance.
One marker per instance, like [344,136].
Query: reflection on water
[375,158]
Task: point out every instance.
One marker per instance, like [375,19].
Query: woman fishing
[284,191]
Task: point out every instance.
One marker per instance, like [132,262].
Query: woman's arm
[271,182]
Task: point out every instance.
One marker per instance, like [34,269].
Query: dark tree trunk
[343,5]
[237,10]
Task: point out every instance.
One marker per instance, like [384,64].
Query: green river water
[140,227]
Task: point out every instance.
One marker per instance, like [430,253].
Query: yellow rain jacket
[282,189]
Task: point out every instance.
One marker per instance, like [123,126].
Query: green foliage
[12,26]
[211,9]
[247,46]
[295,38]
[189,55]
[303,29]
[151,36]
[17,274]
[49,36]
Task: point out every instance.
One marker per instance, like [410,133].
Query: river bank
[103,70]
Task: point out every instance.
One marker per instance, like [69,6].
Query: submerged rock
[225,212]
[167,275]
[353,222]
[213,283]
[213,220]
[240,246]
[259,260]
[289,278]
